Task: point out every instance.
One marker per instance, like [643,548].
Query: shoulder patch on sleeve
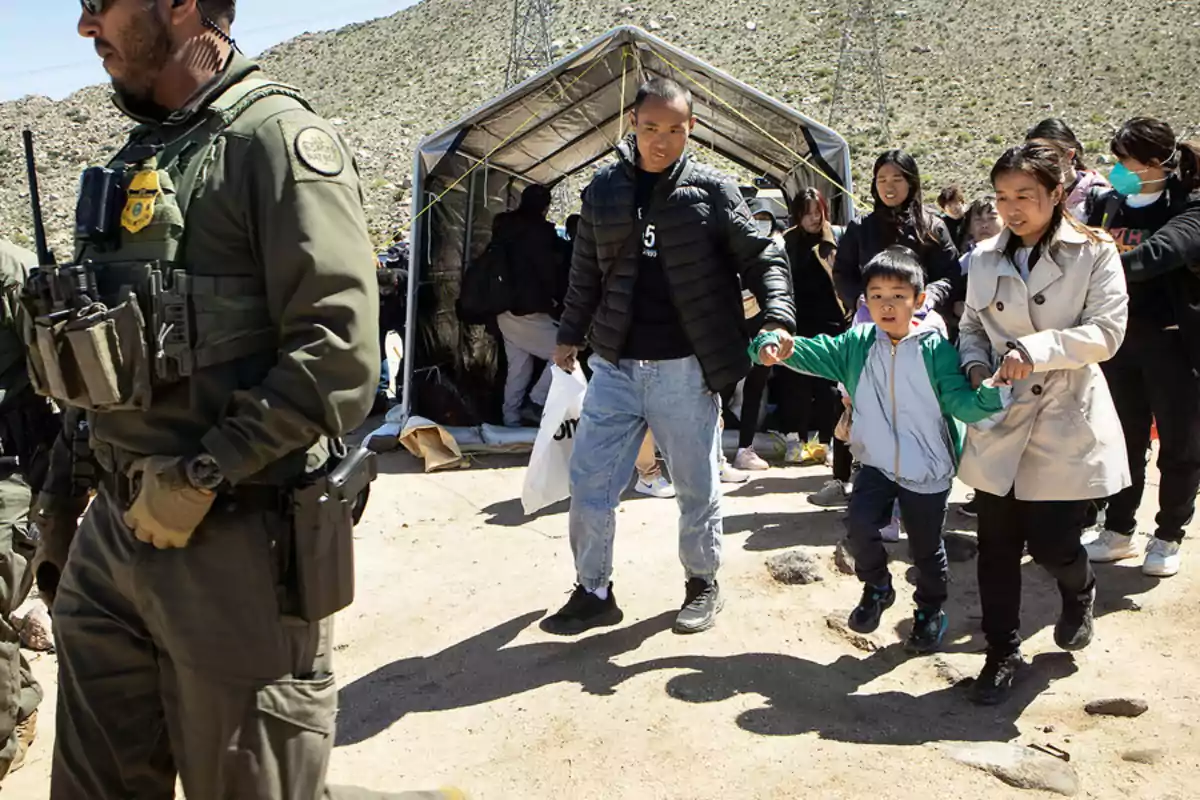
[314,153]
[319,152]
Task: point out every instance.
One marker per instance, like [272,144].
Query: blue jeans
[924,516]
[672,398]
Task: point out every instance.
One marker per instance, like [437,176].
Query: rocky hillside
[964,78]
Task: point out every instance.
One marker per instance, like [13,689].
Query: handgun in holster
[321,571]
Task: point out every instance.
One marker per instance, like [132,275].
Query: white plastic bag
[547,480]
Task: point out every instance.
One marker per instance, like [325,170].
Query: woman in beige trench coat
[1046,301]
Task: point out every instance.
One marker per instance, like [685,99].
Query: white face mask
[764,226]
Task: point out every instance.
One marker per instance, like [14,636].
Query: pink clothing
[1077,199]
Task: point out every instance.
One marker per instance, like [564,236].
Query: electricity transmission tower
[860,63]
[530,51]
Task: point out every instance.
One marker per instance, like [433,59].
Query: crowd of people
[1025,341]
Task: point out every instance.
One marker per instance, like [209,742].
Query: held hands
[1014,367]
[167,508]
[565,357]
[780,350]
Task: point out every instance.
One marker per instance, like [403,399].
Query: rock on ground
[838,625]
[842,559]
[1017,766]
[1118,707]
[1147,755]
[32,621]
[795,567]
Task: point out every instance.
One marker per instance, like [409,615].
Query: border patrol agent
[219,325]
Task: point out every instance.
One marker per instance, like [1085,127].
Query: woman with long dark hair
[1153,213]
[900,217]
[1079,181]
[1045,305]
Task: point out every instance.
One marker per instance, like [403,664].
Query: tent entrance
[555,125]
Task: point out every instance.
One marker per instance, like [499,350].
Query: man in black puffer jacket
[664,248]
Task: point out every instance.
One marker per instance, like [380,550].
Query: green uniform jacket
[279,200]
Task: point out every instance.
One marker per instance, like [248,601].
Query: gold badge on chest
[144,189]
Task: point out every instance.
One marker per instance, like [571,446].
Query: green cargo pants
[179,661]
[19,692]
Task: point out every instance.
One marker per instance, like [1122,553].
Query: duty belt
[247,497]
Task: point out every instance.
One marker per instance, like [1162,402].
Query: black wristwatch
[204,472]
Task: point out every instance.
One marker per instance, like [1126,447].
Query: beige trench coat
[1060,439]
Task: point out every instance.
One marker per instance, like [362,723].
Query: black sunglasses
[93,7]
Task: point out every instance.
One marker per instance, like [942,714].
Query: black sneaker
[875,600]
[583,612]
[929,626]
[702,601]
[1075,625]
[970,508]
[995,682]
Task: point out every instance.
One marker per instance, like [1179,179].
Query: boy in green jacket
[909,402]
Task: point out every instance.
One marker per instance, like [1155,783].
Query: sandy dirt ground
[446,678]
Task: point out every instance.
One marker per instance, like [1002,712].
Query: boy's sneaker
[793,452]
[701,604]
[1110,546]
[1075,625]
[834,493]
[747,459]
[995,682]
[929,626]
[658,487]
[875,600]
[583,612]
[1162,558]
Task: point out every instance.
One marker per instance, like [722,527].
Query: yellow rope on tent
[766,133]
[625,56]
[499,145]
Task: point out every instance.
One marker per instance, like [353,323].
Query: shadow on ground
[798,696]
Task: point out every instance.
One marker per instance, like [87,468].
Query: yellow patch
[144,189]
[318,151]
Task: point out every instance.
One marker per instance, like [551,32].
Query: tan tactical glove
[167,508]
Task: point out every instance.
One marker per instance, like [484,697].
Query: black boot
[1076,624]
[995,682]
[875,600]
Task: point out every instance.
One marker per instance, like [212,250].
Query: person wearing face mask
[1153,213]
[1046,301]
[1080,182]
[899,217]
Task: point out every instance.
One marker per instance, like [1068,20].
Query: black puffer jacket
[535,255]
[706,241]
[867,237]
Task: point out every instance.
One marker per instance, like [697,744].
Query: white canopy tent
[553,125]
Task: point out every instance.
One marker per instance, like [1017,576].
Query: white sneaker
[1162,558]
[891,532]
[833,493]
[659,487]
[1110,546]
[731,475]
[747,459]
[794,453]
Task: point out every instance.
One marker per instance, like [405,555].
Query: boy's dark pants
[923,515]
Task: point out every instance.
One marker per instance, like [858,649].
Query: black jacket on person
[867,237]
[1167,263]
[534,252]
[811,257]
[709,249]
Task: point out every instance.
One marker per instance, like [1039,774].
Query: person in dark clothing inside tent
[1153,214]
[535,254]
[899,217]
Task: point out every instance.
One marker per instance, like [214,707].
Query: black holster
[321,568]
